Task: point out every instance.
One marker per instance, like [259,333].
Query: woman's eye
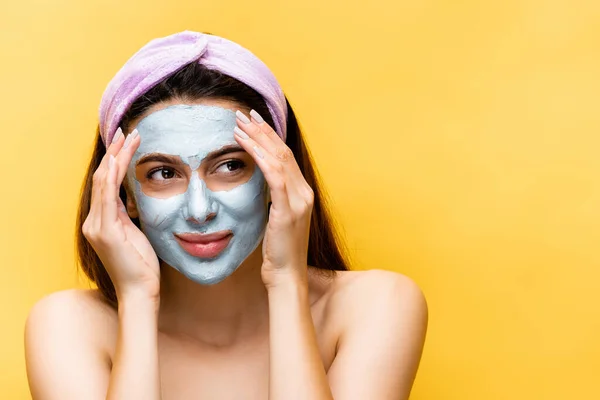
[161,174]
[230,166]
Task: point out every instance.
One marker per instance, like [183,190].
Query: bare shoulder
[67,335]
[74,314]
[365,289]
[73,306]
[386,313]
[377,297]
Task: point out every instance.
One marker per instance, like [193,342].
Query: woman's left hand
[285,243]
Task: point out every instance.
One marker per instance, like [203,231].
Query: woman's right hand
[123,249]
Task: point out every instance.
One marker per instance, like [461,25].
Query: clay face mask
[202,233]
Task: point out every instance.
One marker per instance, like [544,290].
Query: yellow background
[459,141]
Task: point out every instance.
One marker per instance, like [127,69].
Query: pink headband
[164,56]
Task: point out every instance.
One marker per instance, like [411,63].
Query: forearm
[135,372]
[296,368]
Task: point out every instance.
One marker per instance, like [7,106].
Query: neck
[220,314]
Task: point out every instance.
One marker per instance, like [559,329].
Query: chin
[207,278]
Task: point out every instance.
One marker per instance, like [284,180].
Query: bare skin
[72,335]
[264,332]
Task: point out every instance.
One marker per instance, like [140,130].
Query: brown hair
[194,82]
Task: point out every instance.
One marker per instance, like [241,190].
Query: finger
[113,148]
[275,144]
[272,171]
[125,155]
[300,195]
[266,128]
[116,208]
[100,175]
[267,138]
[110,196]
[255,131]
[95,208]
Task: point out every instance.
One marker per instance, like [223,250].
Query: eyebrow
[167,159]
[158,157]
[232,148]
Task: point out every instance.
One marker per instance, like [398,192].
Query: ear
[131,206]
[132,210]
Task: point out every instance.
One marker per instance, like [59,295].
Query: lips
[204,245]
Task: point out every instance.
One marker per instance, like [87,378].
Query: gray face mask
[191,132]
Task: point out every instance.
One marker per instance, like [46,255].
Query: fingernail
[117,136]
[134,133]
[258,152]
[128,140]
[242,117]
[111,161]
[256,117]
[240,133]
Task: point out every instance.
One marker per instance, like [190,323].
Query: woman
[218,271]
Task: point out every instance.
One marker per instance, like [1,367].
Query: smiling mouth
[204,245]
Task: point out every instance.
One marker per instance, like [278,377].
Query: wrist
[296,278]
[148,288]
[137,298]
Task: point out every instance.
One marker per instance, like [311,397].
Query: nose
[200,207]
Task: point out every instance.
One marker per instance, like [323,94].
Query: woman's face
[200,198]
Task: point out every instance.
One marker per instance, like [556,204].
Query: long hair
[195,82]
